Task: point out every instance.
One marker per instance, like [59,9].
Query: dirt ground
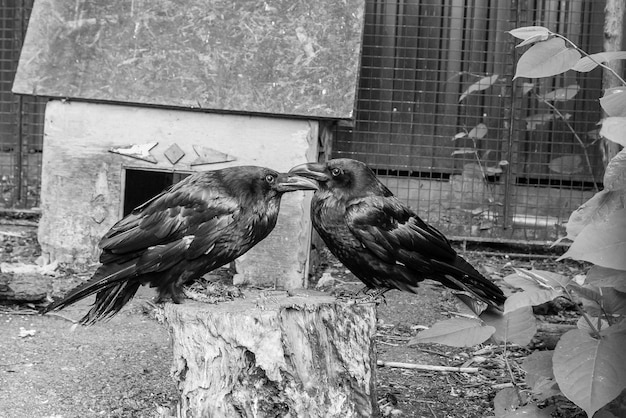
[51,368]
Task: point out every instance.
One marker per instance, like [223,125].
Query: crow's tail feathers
[461,276]
[113,288]
[109,301]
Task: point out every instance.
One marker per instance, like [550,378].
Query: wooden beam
[613,33]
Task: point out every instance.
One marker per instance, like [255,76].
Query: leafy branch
[592,58]
[588,365]
[576,136]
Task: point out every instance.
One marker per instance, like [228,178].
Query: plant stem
[508,366]
[582,52]
[604,312]
[594,330]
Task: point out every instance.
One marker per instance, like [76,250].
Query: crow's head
[254,183]
[343,177]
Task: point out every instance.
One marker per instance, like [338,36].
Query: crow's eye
[336,172]
[270,178]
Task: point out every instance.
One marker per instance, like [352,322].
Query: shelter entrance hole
[142,185]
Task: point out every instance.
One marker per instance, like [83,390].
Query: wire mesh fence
[438,117]
[442,122]
[21,117]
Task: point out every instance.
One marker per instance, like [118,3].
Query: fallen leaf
[456,332]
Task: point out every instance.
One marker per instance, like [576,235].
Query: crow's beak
[289,182]
[315,171]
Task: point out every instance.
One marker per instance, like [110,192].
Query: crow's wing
[180,221]
[395,233]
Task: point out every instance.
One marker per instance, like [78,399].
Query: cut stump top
[274,353]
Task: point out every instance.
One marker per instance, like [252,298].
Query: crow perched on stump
[382,241]
[201,223]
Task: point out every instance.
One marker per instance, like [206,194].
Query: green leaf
[546,279]
[545,389]
[546,59]
[603,277]
[538,365]
[482,84]
[602,300]
[531,34]
[604,414]
[561,95]
[455,332]
[614,101]
[587,292]
[598,323]
[530,411]
[596,209]
[505,401]
[591,372]
[567,164]
[614,409]
[602,242]
[530,298]
[479,131]
[588,63]
[614,129]
[615,173]
[523,282]
[613,301]
[538,119]
[492,171]
[463,151]
[526,87]
[518,326]
[591,299]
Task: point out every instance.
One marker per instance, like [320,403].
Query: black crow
[197,225]
[381,240]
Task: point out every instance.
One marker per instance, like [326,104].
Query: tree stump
[274,355]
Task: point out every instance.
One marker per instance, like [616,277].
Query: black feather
[381,240]
[197,225]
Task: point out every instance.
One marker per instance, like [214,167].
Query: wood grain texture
[306,355]
[270,56]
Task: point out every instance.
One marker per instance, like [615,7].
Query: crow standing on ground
[199,224]
[382,241]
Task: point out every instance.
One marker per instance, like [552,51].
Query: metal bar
[19,160]
[541,184]
[613,33]
[18,192]
[510,241]
[508,149]
[512,255]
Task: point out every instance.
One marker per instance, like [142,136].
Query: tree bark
[306,355]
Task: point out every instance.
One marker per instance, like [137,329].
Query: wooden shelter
[146,92]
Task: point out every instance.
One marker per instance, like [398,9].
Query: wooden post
[306,355]
[613,30]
